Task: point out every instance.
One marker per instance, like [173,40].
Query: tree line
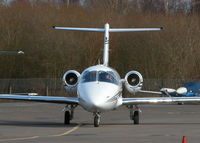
[171,53]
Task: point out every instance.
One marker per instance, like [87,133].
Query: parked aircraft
[99,87]
[188,89]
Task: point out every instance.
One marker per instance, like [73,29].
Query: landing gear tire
[134,113]
[135,117]
[67,118]
[96,121]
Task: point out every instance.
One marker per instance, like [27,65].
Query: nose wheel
[97,119]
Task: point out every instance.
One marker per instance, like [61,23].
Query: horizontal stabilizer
[80,29]
[110,30]
[135,29]
[106,31]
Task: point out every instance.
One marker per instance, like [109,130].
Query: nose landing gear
[97,119]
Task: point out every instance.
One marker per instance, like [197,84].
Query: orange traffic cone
[184,139]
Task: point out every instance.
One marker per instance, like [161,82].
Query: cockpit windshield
[107,76]
[101,76]
[89,76]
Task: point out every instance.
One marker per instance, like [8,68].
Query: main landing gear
[69,113]
[97,119]
[134,114]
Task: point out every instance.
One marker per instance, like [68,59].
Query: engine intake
[70,79]
[133,81]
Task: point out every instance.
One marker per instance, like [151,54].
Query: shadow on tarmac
[56,124]
[141,124]
[34,124]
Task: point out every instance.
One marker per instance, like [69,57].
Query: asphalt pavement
[22,122]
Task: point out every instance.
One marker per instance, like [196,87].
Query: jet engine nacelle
[133,81]
[70,79]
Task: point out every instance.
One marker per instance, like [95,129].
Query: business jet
[99,87]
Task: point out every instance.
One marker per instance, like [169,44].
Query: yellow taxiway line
[67,132]
[36,137]
[16,139]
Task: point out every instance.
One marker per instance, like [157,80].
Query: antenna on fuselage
[106,31]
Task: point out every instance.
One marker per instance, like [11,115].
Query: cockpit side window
[107,77]
[89,76]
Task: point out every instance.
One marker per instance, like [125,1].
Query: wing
[155,100]
[151,92]
[50,99]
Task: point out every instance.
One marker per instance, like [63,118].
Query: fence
[54,86]
[42,86]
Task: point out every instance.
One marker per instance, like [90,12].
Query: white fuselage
[99,89]
[97,94]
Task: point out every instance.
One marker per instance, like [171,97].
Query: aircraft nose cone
[96,99]
[181,90]
[96,103]
[94,96]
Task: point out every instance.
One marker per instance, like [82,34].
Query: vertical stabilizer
[106,45]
